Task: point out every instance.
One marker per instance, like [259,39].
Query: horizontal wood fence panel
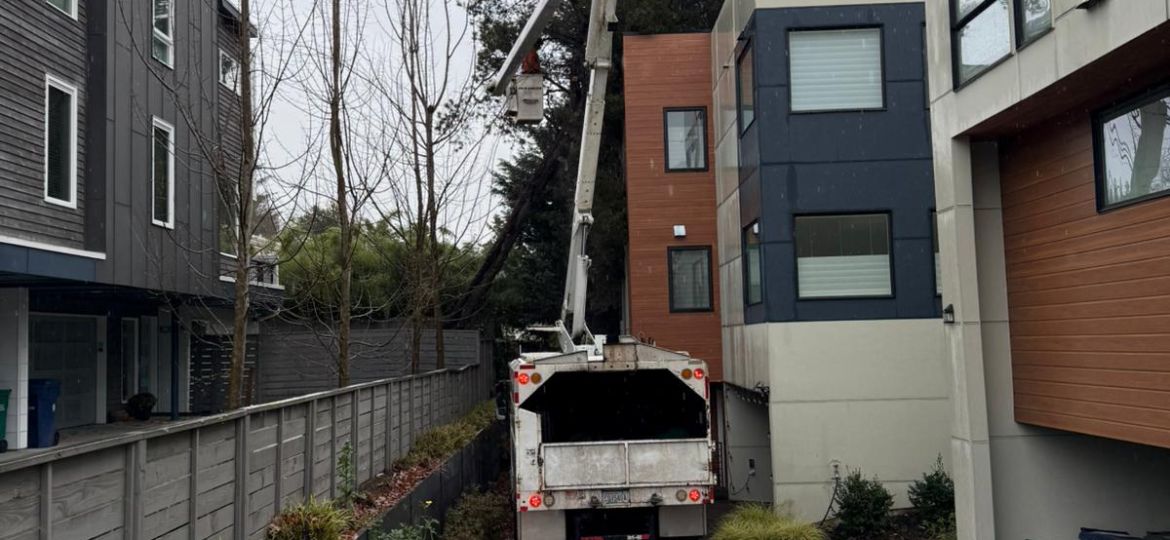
[226,476]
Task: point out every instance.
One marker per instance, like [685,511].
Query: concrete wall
[869,395]
[1013,481]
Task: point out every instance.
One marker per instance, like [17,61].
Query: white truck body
[554,479]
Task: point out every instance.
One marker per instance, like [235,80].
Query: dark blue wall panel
[841,162]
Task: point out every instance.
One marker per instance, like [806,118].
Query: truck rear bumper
[671,522]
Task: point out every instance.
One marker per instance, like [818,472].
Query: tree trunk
[245,177]
[344,248]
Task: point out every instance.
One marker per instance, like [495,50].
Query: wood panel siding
[1088,292]
[37,39]
[668,71]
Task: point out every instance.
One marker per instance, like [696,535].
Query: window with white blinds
[836,69]
[843,256]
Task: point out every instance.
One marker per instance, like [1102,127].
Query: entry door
[65,348]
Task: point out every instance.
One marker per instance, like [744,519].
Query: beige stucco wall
[1015,481]
[864,394]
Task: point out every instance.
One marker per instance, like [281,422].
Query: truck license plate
[615,496]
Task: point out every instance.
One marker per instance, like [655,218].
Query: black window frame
[957,25]
[666,140]
[1159,92]
[744,50]
[881,65]
[850,213]
[670,251]
[747,301]
[1018,13]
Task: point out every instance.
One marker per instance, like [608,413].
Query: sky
[295,122]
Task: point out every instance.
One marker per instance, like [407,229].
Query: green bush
[757,522]
[423,531]
[933,497]
[478,516]
[319,520]
[439,443]
[863,508]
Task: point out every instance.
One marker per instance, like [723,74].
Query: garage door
[65,348]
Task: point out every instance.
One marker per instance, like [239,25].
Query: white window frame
[72,13]
[235,86]
[60,85]
[170,222]
[169,39]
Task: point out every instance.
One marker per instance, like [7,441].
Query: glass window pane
[745,83]
[843,256]
[59,119]
[162,16]
[690,279]
[686,140]
[984,40]
[836,69]
[963,7]
[1036,17]
[228,71]
[63,5]
[1137,152]
[752,265]
[162,158]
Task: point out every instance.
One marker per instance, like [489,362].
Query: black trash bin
[42,412]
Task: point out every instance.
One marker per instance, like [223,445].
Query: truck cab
[611,446]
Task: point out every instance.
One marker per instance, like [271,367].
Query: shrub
[757,522]
[933,498]
[439,443]
[320,520]
[478,516]
[863,508]
[423,531]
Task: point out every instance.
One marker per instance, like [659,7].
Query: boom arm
[599,59]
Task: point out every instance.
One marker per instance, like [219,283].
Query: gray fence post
[46,501]
[278,475]
[243,426]
[193,486]
[310,446]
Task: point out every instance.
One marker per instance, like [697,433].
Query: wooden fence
[226,476]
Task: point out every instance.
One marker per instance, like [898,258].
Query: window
[60,142]
[981,36]
[1133,151]
[833,70]
[843,256]
[1033,19]
[69,7]
[745,82]
[690,279]
[753,265]
[229,71]
[686,139]
[163,174]
[163,42]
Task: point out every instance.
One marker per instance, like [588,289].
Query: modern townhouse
[1052,170]
[798,131]
[111,272]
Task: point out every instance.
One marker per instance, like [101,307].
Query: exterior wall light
[680,231]
[948,314]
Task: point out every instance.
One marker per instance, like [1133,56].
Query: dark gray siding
[38,39]
[135,89]
[841,162]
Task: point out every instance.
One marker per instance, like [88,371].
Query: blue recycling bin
[42,412]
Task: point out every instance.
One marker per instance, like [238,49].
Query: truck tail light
[549,500]
[536,378]
[535,500]
[695,495]
[699,373]
[522,378]
[686,374]
[681,495]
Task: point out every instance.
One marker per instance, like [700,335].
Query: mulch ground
[385,491]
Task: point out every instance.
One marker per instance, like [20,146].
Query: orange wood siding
[664,71]
[1088,292]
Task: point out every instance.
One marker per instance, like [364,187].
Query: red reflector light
[534,501]
[695,495]
[699,373]
[522,378]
